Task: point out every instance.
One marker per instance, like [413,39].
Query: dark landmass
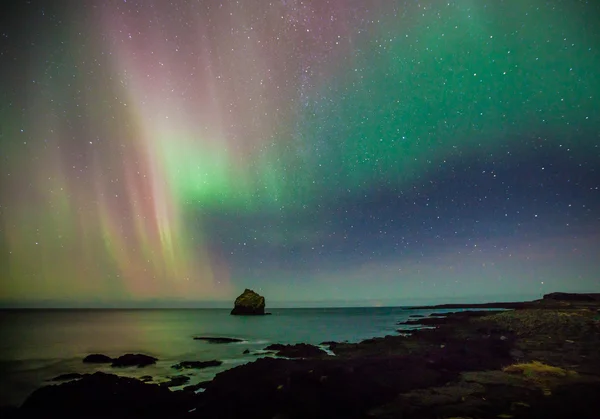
[299,350]
[133,360]
[565,296]
[557,299]
[249,303]
[218,339]
[507,305]
[538,361]
[197,364]
[97,359]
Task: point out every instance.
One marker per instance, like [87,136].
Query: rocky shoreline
[537,360]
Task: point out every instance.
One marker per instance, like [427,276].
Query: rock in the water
[68,377]
[102,395]
[176,381]
[217,339]
[196,387]
[146,378]
[300,350]
[97,359]
[134,360]
[197,364]
[249,303]
[246,352]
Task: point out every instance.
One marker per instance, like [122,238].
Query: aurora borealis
[313,150]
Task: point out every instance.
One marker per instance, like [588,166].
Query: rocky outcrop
[249,303]
[299,350]
[176,381]
[197,364]
[69,376]
[97,359]
[196,387]
[101,395]
[134,360]
[210,339]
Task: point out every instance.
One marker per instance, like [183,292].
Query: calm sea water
[37,345]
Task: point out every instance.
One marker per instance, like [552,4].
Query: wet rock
[196,387]
[176,381]
[249,303]
[299,350]
[134,360]
[146,378]
[246,352]
[69,376]
[211,339]
[97,359]
[197,364]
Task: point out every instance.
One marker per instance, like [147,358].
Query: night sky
[325,152]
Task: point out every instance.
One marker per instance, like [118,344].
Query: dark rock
[69,376]
[247,351]
[416,315]
[249,303]
[146,378]
[102,395]
[196,387]
[197,364]
[97,359]
[176,381]
[134,360]
[299,350]
[317,388]
[210,339]
[275,347]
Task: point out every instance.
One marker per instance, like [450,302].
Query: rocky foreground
[539,360]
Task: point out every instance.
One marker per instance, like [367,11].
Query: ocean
[37,345]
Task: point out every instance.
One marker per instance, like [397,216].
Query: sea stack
[249,303]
